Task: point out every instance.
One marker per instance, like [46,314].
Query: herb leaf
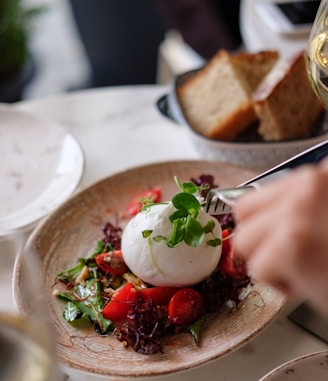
[186,227]
[194,232]
[178,232]
[71,312]
[186,202]
[196,327]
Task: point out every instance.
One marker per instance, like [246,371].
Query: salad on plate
[169,268]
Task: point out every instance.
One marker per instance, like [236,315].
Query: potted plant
[16,65]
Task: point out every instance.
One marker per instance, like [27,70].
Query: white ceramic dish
[252,154]
[41,166]
[72,231]
[305,368]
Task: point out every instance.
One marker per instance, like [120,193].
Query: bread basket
[257,154]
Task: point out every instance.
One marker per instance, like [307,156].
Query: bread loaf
[217,100]
[285,103]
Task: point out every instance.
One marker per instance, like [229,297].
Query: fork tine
[220,201]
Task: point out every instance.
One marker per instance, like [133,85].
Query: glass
[317,53]
[27,345]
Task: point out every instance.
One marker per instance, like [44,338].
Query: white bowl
[252,155]
[257,155]
[42,165]
[313,366]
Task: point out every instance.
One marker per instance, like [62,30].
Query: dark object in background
[17,67]
[300,12]
[206,25]
[121,39]
[12,89]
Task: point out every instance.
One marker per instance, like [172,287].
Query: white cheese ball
[160,265]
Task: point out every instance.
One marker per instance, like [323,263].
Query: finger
[253,202]
[257,228]
[275,265]
[270,193]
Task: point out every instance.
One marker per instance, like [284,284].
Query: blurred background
[79,44]
[60,59]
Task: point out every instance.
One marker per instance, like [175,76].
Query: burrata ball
[155,262]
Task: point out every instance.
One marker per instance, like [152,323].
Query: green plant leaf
[196,327]
[214,242]
[71,312]
[185,226]
[186,201]
[179,214]
[178,232]
[209,227]
[146,233]
[194,232]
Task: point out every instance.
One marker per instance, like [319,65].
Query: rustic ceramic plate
[72,231]
[313,366]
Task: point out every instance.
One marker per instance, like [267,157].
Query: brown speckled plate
[72,231]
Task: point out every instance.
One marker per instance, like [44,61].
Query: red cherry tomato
[225,241]
[161,295]
[112,262]
[231,265]
[120,304]
[134,206]
[185,306]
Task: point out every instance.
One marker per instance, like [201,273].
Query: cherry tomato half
[112,262]
[231,265]
[226,244]
[161,295]
[185,306]
[120,304]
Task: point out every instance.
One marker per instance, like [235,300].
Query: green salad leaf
[85,301]
[195,328]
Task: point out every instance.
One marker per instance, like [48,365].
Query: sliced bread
[217,100]
[285,103]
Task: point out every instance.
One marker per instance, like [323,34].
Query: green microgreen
[146,202]
[185,226]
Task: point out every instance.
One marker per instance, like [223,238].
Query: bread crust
[285,103]
[217,100]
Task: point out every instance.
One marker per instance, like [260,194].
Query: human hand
[282,234]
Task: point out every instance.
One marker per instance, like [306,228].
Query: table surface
[119,128]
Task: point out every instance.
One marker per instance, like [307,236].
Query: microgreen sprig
[186,227]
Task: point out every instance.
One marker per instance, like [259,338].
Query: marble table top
[118,128]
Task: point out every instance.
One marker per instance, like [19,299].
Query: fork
[220,201]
